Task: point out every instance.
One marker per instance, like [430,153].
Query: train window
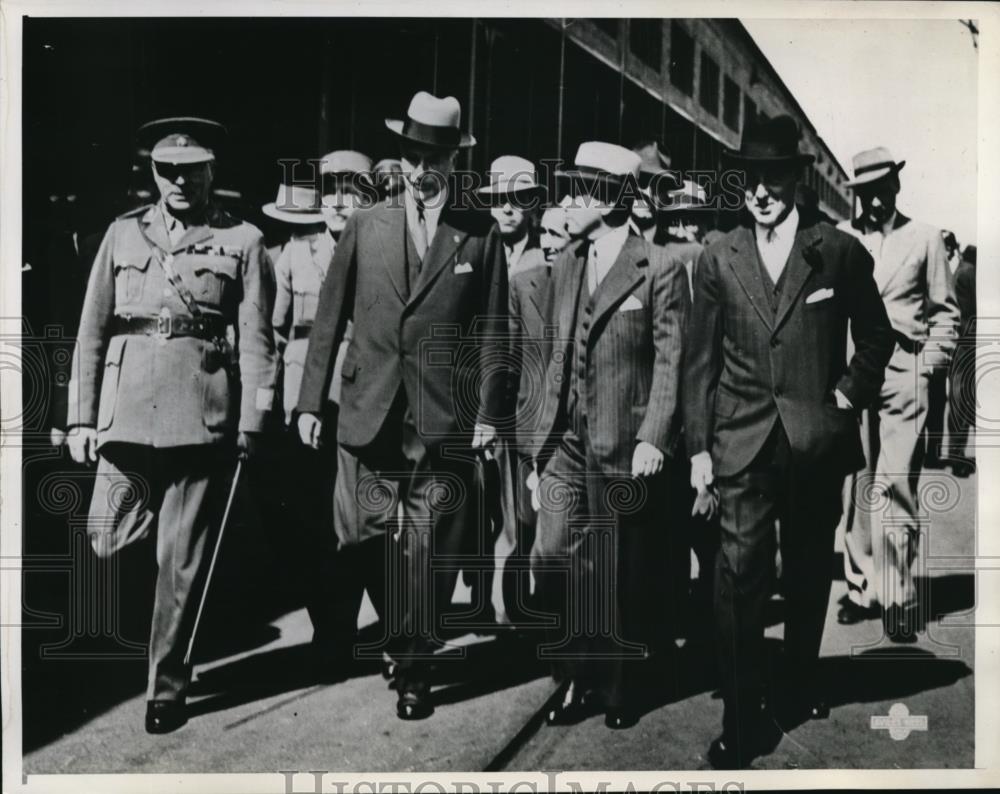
[708,84]
[731,104]
[645,39]
[681,58]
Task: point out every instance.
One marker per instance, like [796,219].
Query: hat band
[433,134]
[591,172]
[866,169]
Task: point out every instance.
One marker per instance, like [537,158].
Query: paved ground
[255,713]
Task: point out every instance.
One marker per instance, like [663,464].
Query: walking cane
[215,556]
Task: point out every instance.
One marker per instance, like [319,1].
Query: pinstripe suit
[593,514]
[759,397]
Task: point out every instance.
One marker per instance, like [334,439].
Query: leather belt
[301,331]
[167,326]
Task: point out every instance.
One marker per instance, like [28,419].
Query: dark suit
[625,343]
[420,370]
[759,396]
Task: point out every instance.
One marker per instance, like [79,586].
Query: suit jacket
[532,330]
[531,257]
[913,278]
[749,366]
[633,357]
[175,391]
[443,339]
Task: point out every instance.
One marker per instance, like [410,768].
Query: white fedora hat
[873,164]
[511,174]
[432,121]
[605,162]
[295,204]
[345,161]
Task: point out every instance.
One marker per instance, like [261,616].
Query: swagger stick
[215,556]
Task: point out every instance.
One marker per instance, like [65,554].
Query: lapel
[801,261]
[744,263]
[154,228]
[536,284]
[569,282]
[882,276]
[625,274]
[390,236]
[441,251]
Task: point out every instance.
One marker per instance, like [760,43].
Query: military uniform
[167,398]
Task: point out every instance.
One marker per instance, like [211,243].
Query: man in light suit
[770,417]
[911,270]
[421,392]
[608,422]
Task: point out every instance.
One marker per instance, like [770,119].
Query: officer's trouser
[181,491]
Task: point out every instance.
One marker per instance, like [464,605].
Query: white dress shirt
[432,214]
[514,251]
[775,244]
[602,255]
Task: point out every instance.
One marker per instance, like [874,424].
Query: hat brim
[396,126]
[591,176]
[796,159]
[302,218]
[877,174]
[506,189]
[183,156]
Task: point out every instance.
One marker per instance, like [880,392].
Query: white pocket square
[631,304]
[820,295]
[464,267]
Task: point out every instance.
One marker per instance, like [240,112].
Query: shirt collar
[514,251]
[607,247]
[432,209]
[782,231]
[889,223]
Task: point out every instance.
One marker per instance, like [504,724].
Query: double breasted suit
[613,381]
[424,365]
[764,361]
[167,400]
[914,281]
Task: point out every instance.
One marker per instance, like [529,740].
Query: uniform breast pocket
[130,275]
[214,277]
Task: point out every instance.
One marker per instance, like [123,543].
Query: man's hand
[247,444]
[310,427]
[646,460]
[82,442]
[57,437]
[484,437]
[701,472]
[532,483]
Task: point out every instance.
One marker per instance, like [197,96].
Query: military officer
[173,370]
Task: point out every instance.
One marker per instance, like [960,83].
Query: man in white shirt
[515,199]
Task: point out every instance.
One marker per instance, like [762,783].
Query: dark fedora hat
[770,141]
[432,121]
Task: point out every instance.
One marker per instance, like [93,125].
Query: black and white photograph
[395,396]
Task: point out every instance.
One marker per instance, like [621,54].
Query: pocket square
[631,304]
[464,267]
[820,295]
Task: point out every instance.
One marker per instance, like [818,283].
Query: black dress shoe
[900,624]
[850,613]
[576,707]
[722,755]
[164,716]
[414,706]
[620,719]
[389,667]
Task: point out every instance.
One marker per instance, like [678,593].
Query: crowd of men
[578,389]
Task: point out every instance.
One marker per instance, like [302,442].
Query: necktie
[420,231]
[593,277]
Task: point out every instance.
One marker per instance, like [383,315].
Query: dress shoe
[850,613]
[900,624]
[620,719]
[722,755]
[576,707]
[164,716]
[414,706]
[389,667]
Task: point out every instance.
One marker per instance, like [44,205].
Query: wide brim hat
[181,140]
[295,204]
[346,161]
[773,141]
[872,165]
[511,174]
[432,121]
[653,163]
[602,163]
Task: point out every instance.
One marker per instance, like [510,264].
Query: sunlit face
[554,236]
[426,169]
[185,187]
[513,221]
[878,199]
[770,192]
[340,201]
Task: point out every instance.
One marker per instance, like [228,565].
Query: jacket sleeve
[670,306]
[336,302]
[92,337]
[703,361]
[282,316]
[874,339]
[941,309]
[256,338]
[495,372]
[516,334]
